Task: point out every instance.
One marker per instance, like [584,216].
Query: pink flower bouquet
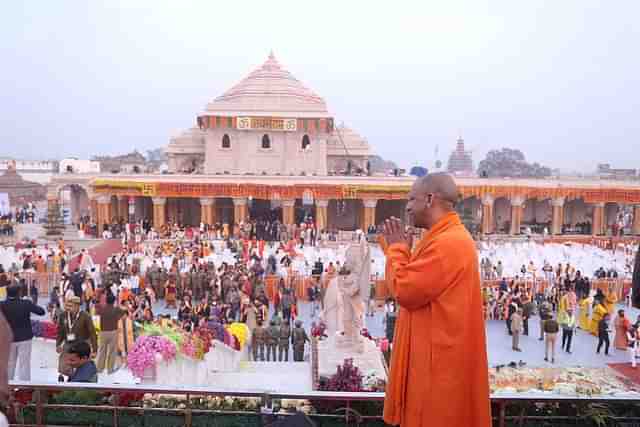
[143,354]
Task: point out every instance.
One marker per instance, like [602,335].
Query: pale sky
[559,80]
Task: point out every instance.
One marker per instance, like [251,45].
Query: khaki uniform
[283,342]
[257,343]
[298,339]
[273,334]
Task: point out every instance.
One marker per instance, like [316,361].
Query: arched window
[305,142]
[226,141]
[266,142]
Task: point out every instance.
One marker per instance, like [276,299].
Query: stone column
[557,215]
[288,212]
[239,209]
[207,210]
[369,217]
[597,228]
[321,214]
[516,214]
[159,215]
[93,209]
[123,208]
[635,225]
[104,211]
[487,214]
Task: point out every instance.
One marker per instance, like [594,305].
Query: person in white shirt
[632,337]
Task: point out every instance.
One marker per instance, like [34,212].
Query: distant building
[19,190]
[39,171]
[133,162]
[73,165]
[461,161]
[606,171]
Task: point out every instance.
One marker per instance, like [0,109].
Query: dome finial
[271,55]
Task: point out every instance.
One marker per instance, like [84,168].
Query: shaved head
[431,197]
[440,185]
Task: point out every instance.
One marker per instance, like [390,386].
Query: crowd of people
[211,276]
[266,228]
[192,278]
[563,302]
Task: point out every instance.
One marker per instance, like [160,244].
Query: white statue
[332,308]
[353,283]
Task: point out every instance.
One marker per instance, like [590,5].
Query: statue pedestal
[331,354]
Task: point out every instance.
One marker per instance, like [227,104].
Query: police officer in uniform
[257,342]
[298,339]
[273,333]
[283,342]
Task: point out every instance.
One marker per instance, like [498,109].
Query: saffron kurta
[621,324]
[439,371]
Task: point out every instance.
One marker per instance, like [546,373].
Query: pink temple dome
[270,90]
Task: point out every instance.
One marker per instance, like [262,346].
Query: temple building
[268,124]
[460,160]
[270,146]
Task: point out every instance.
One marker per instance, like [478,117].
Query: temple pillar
[635,226]
[517,209]
[369,216]
[159,215]
[487,214]
[104,211]
[288,212]
[557,215]
[321,214]
[239,209]
[598,228]
[93,210]
[207,210]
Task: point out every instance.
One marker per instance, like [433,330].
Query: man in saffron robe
[439,368]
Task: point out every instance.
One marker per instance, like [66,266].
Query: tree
[418,171]
[509,162]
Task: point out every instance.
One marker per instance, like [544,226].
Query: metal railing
[507,409]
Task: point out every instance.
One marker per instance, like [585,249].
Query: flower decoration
[240,331]
[143,354]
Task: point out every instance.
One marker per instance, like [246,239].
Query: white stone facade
[284,154]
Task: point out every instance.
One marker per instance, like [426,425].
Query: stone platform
[330,356]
